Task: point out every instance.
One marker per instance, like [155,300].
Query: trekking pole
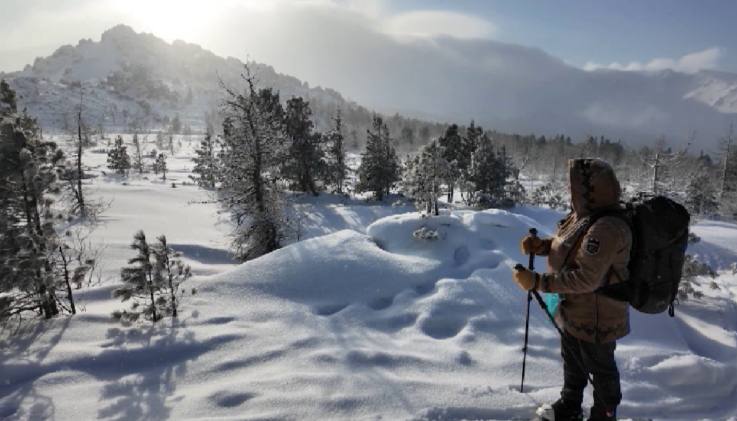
[546,310]
[531,266]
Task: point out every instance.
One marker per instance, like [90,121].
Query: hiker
[581,260]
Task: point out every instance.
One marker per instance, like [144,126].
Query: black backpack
[659,239]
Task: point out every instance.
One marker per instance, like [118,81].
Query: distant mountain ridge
[136,80]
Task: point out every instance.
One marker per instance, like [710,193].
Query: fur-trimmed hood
[593,185]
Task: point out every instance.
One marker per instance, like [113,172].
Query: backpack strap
[621,290]
[592,219]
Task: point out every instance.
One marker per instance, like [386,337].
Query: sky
[682,35]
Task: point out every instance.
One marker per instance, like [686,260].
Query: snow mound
[332,273]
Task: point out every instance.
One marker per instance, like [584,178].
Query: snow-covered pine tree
[252,150]
[160,141]
[549,195]
[138,163]
[169,273]
[117,157]
[176,125]
[379,168]
[305,155]
[28,176]
[206,164]
[701,195]
[139,284]
[159,166]
[423,176]
[469,143]
[453,152]
[407,137]
[424,134]
[488,176]
[728,174]
[170,144]
[337,167]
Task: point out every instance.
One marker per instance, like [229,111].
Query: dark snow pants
[598,360]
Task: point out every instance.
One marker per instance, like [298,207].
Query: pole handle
[531,262]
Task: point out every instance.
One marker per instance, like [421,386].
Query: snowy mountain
[716,89]
[519,89]
[135,79]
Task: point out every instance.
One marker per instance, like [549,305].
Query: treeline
[706,184]
[268,149]
[467,162]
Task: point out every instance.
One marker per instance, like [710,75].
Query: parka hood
[593,185]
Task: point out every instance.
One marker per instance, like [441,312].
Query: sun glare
[173,19]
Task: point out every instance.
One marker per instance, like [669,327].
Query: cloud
[689,63]
[432,23]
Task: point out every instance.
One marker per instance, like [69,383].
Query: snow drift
[416,318]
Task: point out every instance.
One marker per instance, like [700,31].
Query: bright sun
[189,20]
[173,19]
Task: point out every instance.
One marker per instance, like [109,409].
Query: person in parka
[578,264]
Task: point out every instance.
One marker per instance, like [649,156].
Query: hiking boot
[562,411]
[600,414]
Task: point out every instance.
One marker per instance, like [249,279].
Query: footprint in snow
[231,399]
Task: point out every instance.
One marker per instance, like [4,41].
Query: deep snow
[362,320]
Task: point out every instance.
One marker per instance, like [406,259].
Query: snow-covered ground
[363,320]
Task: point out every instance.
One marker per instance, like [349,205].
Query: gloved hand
[532,244]
[525,278]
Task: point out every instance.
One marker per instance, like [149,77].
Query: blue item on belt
[551,300]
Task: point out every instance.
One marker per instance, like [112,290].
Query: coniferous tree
[160,141]
[423,175]
[550,195]
[117,157]
[407,137]
[453,152]
[139,284]
[160,166]
[424,135]
[488,175]
[304,156]
[170,144]
[728,174]
[337,167]
[252,150]
[176,125]
[206,162]
[379,168]
[29,170]
[469,143]
[169,273]
[138,163]
[701,195]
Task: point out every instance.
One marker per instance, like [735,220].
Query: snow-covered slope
[401,318]
[717,89]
